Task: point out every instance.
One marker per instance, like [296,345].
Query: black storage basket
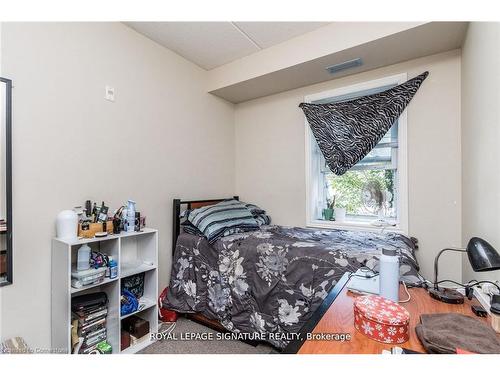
[134,284]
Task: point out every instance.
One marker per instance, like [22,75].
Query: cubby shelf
[147,305]
[135,253]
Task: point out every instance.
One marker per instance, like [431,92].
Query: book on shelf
[84,330]
[91,315]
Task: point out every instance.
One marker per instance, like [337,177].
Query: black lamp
[482,257]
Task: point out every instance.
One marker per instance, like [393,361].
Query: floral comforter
[271,281]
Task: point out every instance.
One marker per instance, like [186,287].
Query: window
[375,188]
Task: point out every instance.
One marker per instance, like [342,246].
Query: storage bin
[79,279]
[381,319]
[94,228]
[134,284]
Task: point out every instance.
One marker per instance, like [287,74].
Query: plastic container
[340,213]
[79,279]
[389,274]
[113,268]
[67,225]
[83,262]
[130,216]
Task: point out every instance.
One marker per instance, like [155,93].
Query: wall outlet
[109,93]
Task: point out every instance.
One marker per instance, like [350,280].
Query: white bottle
[130,216]
[389,274]
[83,262]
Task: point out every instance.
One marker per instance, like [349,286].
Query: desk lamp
[482,257]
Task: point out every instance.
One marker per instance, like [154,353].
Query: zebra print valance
[347,131]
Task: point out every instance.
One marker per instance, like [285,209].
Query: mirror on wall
[5,181]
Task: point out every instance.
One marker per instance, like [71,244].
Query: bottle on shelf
[130,216]
[83,262]
[113,268]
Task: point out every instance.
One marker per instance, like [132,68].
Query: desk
[338,318]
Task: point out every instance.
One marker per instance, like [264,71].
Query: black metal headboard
[176,222]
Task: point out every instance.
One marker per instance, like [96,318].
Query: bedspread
[271,281]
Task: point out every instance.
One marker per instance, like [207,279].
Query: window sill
[351,225]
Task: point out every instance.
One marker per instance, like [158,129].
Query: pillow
[254,209]
[222,217]
[187,227]
[259,214]
[263,219]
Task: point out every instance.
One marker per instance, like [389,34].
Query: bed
[267,283]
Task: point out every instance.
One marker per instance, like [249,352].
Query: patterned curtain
[347,131]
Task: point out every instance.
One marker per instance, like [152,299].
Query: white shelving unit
[135,253]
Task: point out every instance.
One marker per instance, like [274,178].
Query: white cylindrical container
[340,214]
[67,225]
[389,274]
[83,262]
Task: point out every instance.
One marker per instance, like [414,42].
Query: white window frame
[402,201]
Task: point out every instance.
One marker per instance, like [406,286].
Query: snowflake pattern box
[381,319]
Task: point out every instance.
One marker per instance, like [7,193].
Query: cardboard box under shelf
[95,228]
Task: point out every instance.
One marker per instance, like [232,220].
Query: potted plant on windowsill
[328,211]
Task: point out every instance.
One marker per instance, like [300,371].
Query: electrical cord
[469,285]
[375,273]
[407,293]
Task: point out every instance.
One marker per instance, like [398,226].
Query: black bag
[89,301]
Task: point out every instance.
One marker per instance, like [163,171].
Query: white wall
[270,154]
[481,139]
[164,137]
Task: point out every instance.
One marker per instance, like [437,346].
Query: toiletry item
[79,211]
[83,262]
[117,225]
[130,216]
[94,213]
[124,219]
[88,208]
[67,225]
[137,222]
[103,214]
[113,268]
[389,274]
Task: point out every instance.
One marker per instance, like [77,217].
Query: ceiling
[424,40]
[212,44]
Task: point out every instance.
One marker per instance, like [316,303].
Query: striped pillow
[226,216]
[263,219]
